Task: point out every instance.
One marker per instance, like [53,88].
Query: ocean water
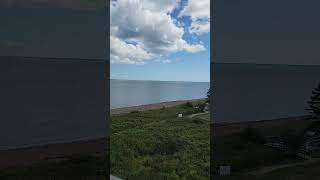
[249,92]
[46,101]
[50,101]
[125,93]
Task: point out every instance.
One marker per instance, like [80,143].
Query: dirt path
[197,114]
[268,169]
[114,178]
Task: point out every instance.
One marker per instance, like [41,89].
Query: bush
[294,139]
[314,102]
[254,135]
[169,146]
[188,104]
[201,107]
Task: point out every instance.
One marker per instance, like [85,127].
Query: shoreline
[58,151]
[303,117]
[223,129]
[52,152]
[152,106]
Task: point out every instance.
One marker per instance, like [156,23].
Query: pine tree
[209,92]
[314,102]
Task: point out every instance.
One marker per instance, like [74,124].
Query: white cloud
[198,27]
[165,61]
[199,11]
[160,5]
[126,53]
[142,30]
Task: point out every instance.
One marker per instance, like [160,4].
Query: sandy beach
[59,151]
[150,106]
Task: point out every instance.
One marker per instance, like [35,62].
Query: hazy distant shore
[151,106]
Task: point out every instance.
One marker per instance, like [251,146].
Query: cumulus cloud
[165,61]
[126,53]
[199,11]
[143,29]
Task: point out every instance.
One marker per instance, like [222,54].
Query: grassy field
[74,168]
[244,156]
[58,162]
[301,172]
[156,144]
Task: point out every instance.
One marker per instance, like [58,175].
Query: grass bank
[57,162]
[245,156]
[156,144]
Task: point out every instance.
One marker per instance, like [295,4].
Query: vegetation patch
[160,145]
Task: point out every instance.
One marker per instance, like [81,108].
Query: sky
[53,28]
[166,40]
[267,31]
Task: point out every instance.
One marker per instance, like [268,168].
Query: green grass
[301,172]
[155,144]
[310,172]
[244,156]
[75,168]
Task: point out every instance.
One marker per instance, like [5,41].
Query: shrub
[314,102]
[169,146]
[188,104]
[201,107]
[254,135]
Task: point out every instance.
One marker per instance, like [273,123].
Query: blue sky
[148,56]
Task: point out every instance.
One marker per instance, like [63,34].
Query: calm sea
[249,92]
[50,101]
[125,93]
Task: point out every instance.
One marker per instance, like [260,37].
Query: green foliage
[254,135]
[133,112]
[243,155]
[155,144]
[314,126]
[188,104]
[300,172]
[294,140]
[74,168]
[209,93]
[314,102]
[201,107]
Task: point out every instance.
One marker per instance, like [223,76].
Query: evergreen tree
[314,102]
[208,95]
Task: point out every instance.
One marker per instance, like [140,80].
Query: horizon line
[252,63]
[28,58]
[101,60]
[159,80]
